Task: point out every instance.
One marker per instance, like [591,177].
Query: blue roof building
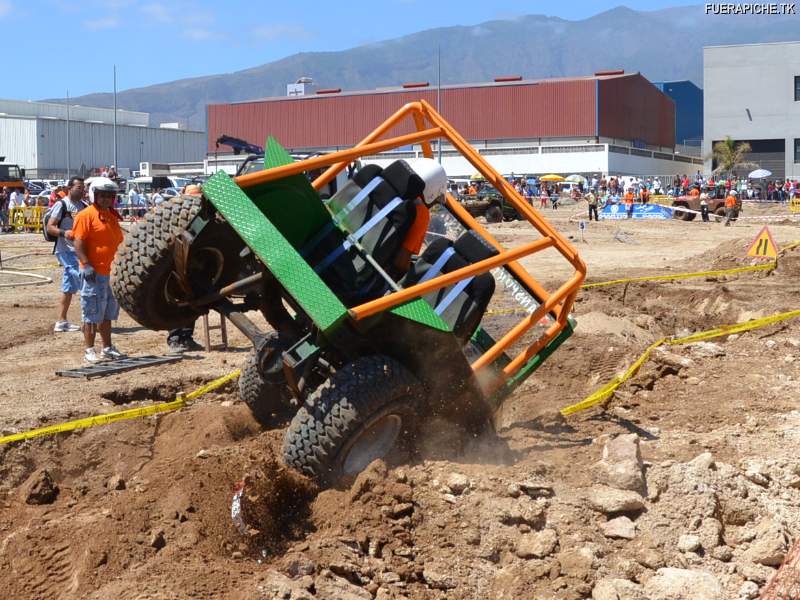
[688,110]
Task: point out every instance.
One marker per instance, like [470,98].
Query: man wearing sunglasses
[97,235]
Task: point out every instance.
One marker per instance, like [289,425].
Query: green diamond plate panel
[275,155]
[420,311]
[305,286]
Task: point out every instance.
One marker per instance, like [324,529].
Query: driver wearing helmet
[435,180]
[97,234]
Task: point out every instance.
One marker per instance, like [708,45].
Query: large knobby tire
[266,394]
[367,410]
[682,214]
[144,264]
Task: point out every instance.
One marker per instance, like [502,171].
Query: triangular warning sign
[763,245]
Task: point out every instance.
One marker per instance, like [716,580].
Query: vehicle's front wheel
[367,410]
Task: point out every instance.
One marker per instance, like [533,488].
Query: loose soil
[143,507]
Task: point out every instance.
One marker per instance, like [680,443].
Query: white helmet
[102,184]
[434,177]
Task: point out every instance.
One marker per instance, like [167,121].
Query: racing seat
[372,214]
[462,304]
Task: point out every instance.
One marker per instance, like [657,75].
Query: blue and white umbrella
[759,174]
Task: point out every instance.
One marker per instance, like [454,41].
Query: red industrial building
[611,107]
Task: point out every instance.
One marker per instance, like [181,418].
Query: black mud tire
[494,214]
[267,398]
[145,261]
[373,395]
[682,215]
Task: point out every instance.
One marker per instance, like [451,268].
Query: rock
[577,562]
[536,489]
[537,545]
[514,490]
[703,462]
[757,476]
[688,543]
[617,589]
[693,380]
[203,453]
[608,500]
[449,498]
[278,585]
[300,567]
[789,359]
[157,539]
[736,511]
[680,584]
[748,591]
[710,533]
[650,558]
[518,511]
[116,483]
[328,585]
[758,573]
[769,545]
[457,483]
[375,473]
[770,344]
[621,466]
[40,488]
[402,509]
[621,527]
[438,575]
[670,359]
[390,577]
[707,349]
[722,553]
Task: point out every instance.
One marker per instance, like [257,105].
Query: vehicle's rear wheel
[143,278]
[494,215]
[682,214]
[262,384]
[365,411]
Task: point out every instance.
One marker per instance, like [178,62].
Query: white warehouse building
[752,94]
[35,135]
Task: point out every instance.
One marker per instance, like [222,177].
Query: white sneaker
[65,327]
[112,353]
[89,355]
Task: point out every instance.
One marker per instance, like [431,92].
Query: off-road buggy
[359,352]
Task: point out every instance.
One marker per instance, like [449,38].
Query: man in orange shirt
[629,202]
[97,235]
[730,207]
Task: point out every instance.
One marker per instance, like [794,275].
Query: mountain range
[663,45]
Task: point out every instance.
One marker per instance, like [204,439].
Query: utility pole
[68,163]
[439,92]
[116,166]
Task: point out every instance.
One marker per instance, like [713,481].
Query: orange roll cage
[431,125]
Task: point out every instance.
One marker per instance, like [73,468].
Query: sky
[66,46]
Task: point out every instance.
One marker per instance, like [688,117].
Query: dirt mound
[133,497]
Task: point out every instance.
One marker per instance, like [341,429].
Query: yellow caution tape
[134,413]
[605,392]
[764,267]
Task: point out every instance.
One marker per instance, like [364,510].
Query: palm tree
[730,156]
